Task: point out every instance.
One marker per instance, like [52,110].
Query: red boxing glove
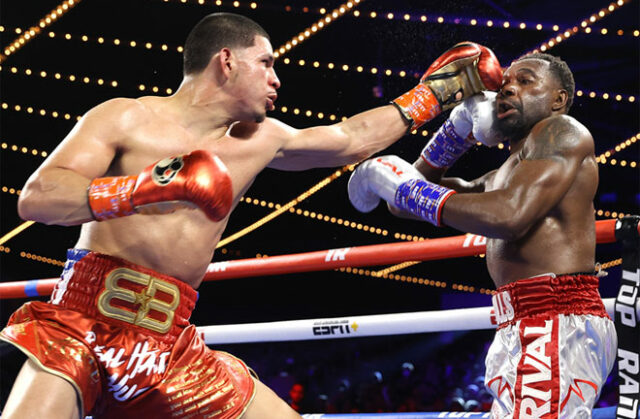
[464,70]
[195,180]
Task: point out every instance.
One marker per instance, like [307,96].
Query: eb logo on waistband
[145,298]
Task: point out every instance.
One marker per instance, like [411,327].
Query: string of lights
[23,150]
[10,190]
[42,259]
[58,76]
[316,27]
[610,214]
[42,112]
[318,216]
[487,22]
[285,207]
[301,62]
[14,232]
[34,31]
[236,4]
[562,36]
[469,21]
[413,280]
[251,5]
[584,27]
[602,158]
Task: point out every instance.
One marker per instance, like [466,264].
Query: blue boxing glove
[400,184]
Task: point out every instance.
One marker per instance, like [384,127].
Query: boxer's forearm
[55,196]
[493,214]
[432,174]
[373,130]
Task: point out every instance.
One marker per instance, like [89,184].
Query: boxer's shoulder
[270,129]
[122,112]
[558,135]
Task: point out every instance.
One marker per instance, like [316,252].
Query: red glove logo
[166,170]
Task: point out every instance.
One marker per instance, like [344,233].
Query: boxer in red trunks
[555,343]
[114,340]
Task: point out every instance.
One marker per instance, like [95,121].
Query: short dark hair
[214,32]
[560,69]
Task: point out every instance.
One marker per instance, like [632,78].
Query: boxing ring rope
[599,413]
[377,254]
[478,318]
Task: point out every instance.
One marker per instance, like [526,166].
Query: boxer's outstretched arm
[549,166]
[463,70]
[56,193]
[346,142]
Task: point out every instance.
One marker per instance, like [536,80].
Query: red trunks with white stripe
[119,333]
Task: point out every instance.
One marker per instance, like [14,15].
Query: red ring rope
[378,254]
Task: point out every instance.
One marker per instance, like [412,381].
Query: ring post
[627,311]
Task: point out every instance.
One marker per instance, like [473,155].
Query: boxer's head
[534,87]
[235,53]
[214,32]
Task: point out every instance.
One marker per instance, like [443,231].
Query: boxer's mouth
[271,98]
[505,109]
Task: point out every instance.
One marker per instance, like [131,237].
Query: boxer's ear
[560,100]
[223,60]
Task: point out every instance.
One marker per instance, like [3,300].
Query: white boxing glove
[378,178]
[401,185]
[479,111]
[473,120]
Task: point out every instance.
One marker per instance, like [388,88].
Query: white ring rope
[358,326]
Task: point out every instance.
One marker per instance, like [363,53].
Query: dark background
[602,63]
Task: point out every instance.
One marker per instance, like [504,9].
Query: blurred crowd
[421,373]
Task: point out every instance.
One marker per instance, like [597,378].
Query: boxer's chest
[503,175]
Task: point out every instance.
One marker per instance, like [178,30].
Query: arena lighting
[287,61]
[316,27]
[178,49]
[285,207]
[23,150]
[584,25]
[34,31]
[602,158]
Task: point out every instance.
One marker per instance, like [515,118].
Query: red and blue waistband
[120,292]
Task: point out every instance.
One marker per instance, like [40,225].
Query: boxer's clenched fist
[472,120]
[462,71]
[195,180]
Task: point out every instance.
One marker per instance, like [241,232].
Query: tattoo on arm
[552,140]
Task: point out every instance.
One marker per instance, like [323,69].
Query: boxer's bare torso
[562,240]
[124,136]
[180,244]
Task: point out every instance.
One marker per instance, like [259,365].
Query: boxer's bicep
[56,193]
[549,165]
[322,146]
[346,142]
[91,145]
